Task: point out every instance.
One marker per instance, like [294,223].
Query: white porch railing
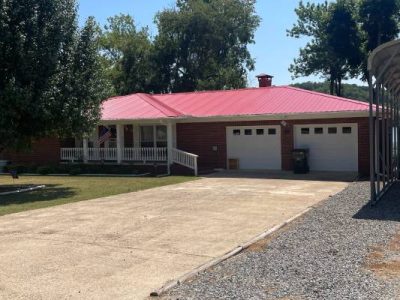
[144,154]
[111,154]
[185,159]
[102,153]
[72,154]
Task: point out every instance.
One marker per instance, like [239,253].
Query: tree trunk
[331,85]
[336,87]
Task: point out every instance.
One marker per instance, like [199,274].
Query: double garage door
[333,147]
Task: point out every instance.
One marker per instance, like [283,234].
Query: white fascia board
[269,117]
[161,121]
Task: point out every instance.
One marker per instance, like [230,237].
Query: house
[250,128]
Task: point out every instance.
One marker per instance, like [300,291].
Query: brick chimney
[264,80]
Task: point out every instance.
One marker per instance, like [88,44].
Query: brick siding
[200,138]
[44,151]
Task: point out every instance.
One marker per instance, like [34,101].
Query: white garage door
[256,147]
[333,147]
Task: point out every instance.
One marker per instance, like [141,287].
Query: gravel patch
[320,256]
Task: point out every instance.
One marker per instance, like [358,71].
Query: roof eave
[287,116]
[259,117]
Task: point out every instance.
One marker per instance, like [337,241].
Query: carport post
[371,139]
[383,67]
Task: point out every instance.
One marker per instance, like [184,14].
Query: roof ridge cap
[156,103]
[326,95]
[216,91]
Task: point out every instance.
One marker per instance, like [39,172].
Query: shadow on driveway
[287,175]
[50,192]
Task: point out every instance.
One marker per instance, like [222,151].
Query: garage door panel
[260,150]
[329,151]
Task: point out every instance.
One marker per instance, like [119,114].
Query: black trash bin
[300,161]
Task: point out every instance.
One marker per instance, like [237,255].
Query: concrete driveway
[125,246]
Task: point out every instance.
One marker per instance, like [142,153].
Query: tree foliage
[379,23]
[127,55]
[351,91]
[50,82]
[88,86]
[334,47]
[342,35]
[203,44]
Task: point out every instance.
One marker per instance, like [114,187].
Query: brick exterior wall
[44,151]
[199,138]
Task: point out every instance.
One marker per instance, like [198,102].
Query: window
[161,136]
[147,136]
[260,131]
[236,131]
[332,130]
[153,136]
[346,130]
[248,132]
[318,130]
[305,130]
[271,131]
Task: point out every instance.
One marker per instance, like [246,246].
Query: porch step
[177,169]
[206,171]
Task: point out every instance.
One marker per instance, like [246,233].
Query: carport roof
[275,100]
[384,64]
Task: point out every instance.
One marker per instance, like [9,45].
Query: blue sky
[273,50]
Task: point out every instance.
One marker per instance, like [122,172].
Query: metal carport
[384,83]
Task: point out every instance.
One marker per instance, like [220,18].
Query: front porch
[131,144]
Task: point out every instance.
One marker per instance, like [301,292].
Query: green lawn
[67,189]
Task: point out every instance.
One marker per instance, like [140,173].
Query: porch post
[85,150]
[120,142]
[170,142]
[136,136]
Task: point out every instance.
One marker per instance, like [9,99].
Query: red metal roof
[251,101]
[136,106]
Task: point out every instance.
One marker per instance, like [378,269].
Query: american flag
[105,134]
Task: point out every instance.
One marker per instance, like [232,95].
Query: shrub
[44,170]
[31,169]
[19,168]
[75,171]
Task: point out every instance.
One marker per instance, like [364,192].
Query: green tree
[380,24]
[87,84]
[344,42]
[44,87]
[203,44]
[334,47]
[127,55]
[351,91]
